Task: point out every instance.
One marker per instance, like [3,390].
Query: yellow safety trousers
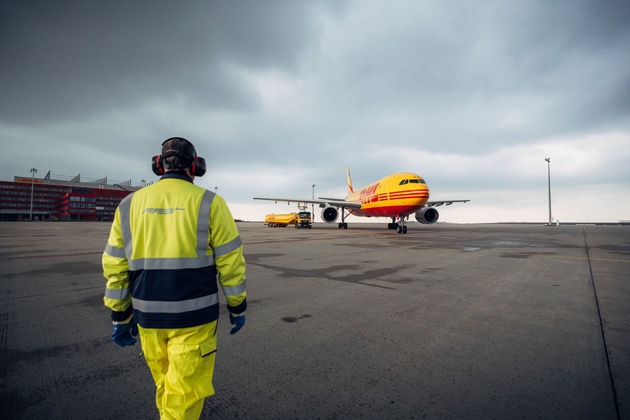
[182,364]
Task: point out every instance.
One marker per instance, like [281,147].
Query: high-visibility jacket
[167,244]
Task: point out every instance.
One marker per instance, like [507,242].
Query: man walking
[168,244]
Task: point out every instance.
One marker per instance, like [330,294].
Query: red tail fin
[350,189]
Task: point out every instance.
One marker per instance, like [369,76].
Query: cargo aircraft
[395,196]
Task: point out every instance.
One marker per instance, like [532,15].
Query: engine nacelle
[330,214]
[427,215]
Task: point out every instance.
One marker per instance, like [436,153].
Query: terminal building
[48,199]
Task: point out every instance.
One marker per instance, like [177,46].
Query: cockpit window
[412,181]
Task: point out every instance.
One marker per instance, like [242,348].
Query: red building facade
[48,199]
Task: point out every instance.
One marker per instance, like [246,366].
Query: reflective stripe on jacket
[166,246]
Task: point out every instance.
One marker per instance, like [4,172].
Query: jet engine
[427,215]
[330,214]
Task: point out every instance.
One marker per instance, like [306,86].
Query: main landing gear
[343,224]
[400,227]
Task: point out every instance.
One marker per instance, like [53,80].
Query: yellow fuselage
[393,196]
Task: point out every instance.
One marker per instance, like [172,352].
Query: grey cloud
[485,62]
[65,59]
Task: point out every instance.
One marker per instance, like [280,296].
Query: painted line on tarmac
[592,259]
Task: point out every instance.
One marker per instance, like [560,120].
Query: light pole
[548,160]
[33,171]
[313,205]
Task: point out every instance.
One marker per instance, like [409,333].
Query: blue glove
[124,333]
[238,322]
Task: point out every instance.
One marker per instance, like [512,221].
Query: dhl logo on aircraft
[396,196]
[367,195]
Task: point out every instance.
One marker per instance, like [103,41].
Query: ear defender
[156,165]
[198,167]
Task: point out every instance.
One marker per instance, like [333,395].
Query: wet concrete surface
[447,321]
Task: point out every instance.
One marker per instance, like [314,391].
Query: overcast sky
[280,95]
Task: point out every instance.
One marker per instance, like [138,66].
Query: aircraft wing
[444,203]
[335,201]
[322,202]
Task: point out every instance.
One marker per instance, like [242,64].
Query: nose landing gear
[400,227]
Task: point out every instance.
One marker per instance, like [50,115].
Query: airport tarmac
[447,321]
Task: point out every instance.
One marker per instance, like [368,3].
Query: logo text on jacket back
[153,210]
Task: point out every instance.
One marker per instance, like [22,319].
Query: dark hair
[177,153]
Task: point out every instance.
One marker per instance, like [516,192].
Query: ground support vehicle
[302,219]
